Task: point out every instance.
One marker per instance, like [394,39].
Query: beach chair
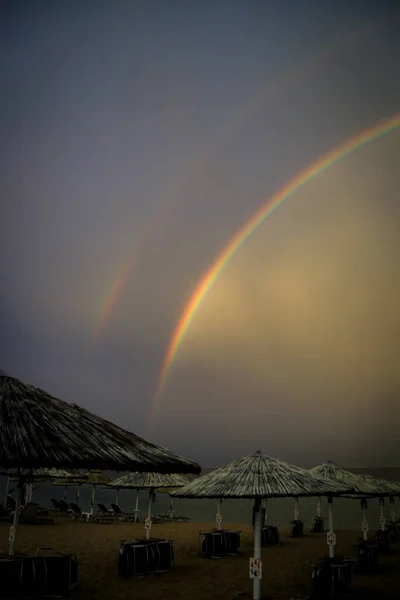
[121,516]
[55,505]
[104,510]
[65,508]
[77,512]
[30,516]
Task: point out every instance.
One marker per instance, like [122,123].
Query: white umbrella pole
[136,511]
[364,523]
[30,492]
[264,505]
[6,495]
[13,528]
[171,507]
[296,509]
[219,516]
[257,548]
[331,535]
[382,516]
[318,507]
[392,513]
[148,520]
[92,499]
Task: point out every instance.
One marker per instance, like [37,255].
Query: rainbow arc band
[243,234]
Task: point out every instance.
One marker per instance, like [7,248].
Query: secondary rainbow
[237,241]
[156,222]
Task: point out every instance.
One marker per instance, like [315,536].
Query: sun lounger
[129,517]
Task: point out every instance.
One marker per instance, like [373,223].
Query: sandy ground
[285,568]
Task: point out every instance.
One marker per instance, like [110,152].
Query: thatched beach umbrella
[93,478]
[258,477]
[31,475]
[362,489]
[150,482]
[38,430]
[386,489]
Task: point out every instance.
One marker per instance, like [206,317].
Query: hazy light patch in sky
[310,318]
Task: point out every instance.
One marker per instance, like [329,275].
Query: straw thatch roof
[94,477]
[148,481]
[260,476]
[362,486]
[38,430]
[387,488]
[39,474]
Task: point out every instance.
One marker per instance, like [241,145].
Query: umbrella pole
[13,528]
[392,513]
[364,523]
[171,507]
[382,517]
[92,499]
[319,507]
[219,516]
[136,511]
[6,495]
[264,506]
[257,547]
[296,509]
[148,523]
[331,535]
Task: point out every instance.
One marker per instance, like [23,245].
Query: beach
[285,568]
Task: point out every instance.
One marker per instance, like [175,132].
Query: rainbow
[156,221]
[240,237]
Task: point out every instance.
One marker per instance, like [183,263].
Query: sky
[137,138]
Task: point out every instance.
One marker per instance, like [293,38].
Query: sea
[347,512]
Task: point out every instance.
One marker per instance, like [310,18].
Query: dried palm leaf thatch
[40,474]
[94,477]
[362,486]
[386,488]
[38,430]
[147,481]
[260,476]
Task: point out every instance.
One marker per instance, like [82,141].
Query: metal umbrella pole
[364,522]
[382,515]
[6,494]
[331,537]
[219,515]
[296,511]
[255,561]
[13,528]
[319,511]
[264,506]
[136,510]
[148,521]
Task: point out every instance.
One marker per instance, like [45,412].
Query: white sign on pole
[219,518]
[382,520]
[255,568]
[11,535]
[364,526]
[331,538]
[147,523]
